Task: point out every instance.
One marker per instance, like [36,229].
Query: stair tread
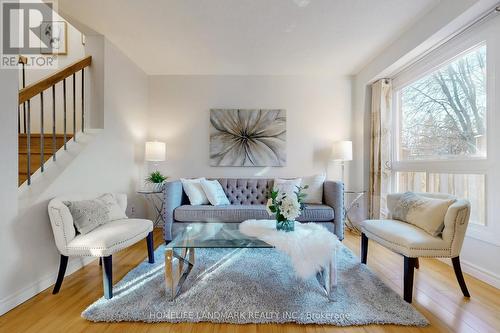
[35,151]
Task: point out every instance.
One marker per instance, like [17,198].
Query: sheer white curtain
[380,152]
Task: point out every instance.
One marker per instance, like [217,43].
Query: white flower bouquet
[286,208]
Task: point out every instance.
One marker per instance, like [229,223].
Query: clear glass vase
[285,225]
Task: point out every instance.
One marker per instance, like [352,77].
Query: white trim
[20,296]
[482,232]
[479,273]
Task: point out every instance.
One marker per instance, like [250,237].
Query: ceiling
[249,37]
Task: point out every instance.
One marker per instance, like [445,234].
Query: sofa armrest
[172,196]
[333,196]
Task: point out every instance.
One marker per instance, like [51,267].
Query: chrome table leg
[174,278]
[327,277]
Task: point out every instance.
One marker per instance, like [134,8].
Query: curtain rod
[492,12]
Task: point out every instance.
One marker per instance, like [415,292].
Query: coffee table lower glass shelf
[180,253]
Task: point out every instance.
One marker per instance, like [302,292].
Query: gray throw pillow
[89,214]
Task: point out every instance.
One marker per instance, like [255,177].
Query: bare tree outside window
[442,118]
[443,114]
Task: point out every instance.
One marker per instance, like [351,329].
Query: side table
[348,207]
[155,200]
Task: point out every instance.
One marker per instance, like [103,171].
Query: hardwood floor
[437,296]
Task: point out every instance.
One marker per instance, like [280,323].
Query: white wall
[479,258]
[318,113]
[110,160]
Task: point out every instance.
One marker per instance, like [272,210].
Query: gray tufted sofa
[248,198]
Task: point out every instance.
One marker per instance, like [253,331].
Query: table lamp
[342,152]
[155,151]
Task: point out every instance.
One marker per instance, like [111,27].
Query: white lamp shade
[342,151]
[155,151]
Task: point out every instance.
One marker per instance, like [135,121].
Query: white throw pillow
[214,192]
[194,191]
[315,189]
[423,212]
[287,187]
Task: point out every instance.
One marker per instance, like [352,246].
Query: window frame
[482,165]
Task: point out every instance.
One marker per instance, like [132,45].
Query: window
[440,126]
[443,114]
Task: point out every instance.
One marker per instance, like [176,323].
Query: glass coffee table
[218,235]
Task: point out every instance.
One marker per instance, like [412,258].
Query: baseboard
[477,272]
[10,302]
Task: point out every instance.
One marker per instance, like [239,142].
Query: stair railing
[23,61]
[27,93]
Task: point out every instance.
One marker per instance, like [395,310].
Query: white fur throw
[310,246]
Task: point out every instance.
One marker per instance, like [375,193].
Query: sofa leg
[460,276]
[60,276]
[409,265]
[151,251]
[107,277]
[364,248]
[417,263]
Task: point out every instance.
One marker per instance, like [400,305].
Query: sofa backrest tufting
[241,191]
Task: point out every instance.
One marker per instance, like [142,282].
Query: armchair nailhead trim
[62,225]
[410,248]
[115,244]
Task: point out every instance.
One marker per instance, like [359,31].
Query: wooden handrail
[37,87]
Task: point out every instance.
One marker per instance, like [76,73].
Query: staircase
[35,146]
[36,152]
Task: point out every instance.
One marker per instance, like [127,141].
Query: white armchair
[101,242]
[413,242]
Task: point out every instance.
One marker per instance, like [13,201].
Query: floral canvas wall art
[243,137]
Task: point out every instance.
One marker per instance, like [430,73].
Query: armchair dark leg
[364,248]
[107,277]
[409,265]
[60,276]
[151,251]
[100,261]
[460,276]
[417,263]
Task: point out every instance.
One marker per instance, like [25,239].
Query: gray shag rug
[254,286]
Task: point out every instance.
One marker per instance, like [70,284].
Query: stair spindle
[18,119]
[74,107]
[28,143]
[54,148]
[64,103]
[42,143]
[83,100]
[24,85]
